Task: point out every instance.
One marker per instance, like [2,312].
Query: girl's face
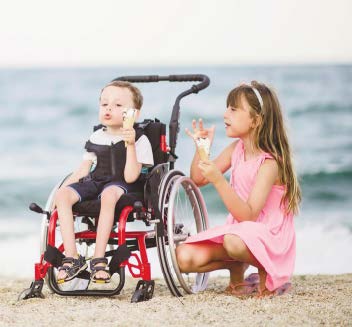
[238,122]
[113,101]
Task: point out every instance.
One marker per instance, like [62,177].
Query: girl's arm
[243,210]
[82,171]
[222,162]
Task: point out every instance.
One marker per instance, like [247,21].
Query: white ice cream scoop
[128,118]
[203,146]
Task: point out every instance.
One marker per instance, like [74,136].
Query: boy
[111,167]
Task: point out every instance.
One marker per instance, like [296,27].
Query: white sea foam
[321,249]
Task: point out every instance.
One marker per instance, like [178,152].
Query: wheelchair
[171,208]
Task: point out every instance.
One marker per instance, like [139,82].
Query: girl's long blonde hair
[270,136]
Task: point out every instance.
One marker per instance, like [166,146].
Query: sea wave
[327,187]
[321,108]
[327,177]
[321,186]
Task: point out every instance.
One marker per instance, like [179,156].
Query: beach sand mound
[314,300]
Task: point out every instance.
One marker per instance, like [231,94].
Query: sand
[314,300]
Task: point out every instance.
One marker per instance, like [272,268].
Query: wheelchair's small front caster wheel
[144,291]
[35,290]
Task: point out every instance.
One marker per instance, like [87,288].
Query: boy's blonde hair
[137,97]
[270,136]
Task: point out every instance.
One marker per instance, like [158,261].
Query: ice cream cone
[203,146]
[128,116]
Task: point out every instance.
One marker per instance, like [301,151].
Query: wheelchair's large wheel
[184,214]
[166,182]
[161,232]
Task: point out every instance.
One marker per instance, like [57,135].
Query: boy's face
[113,101]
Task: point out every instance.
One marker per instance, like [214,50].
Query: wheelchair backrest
[156,133]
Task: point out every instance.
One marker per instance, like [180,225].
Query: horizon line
[178,65]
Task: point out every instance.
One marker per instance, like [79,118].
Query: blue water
[46,116]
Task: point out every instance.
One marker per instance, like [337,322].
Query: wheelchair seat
[92,208]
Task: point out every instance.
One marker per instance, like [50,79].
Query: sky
[75,33]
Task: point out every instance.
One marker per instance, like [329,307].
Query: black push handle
[203,79]
[174,126]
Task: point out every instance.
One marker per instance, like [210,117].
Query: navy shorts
[91,190]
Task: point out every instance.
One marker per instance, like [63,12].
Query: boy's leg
[109,198]
[65,198]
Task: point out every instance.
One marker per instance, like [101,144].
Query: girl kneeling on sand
[262,197]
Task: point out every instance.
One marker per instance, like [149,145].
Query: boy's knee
[233,245]
[111,194]
[65,195]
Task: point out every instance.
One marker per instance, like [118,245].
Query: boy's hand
[129,135]
[200,131]
[210,171]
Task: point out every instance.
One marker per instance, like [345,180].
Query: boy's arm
[133,167]
[223,162]
[82,171]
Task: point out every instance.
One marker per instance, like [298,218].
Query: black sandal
[94,269]
[77,266]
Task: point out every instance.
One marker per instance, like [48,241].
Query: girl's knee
[233,245]
[184,257]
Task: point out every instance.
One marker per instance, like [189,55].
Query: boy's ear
[138,112]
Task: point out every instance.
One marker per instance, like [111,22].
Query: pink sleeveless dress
[271,238]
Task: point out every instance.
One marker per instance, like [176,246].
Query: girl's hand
[200,131]
[129,135]
[210,171]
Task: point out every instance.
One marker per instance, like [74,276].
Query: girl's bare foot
[264,292]
[242,290]
[283,289]
[237,272]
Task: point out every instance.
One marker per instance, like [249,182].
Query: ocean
[46,115]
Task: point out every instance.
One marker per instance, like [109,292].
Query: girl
[262,197]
